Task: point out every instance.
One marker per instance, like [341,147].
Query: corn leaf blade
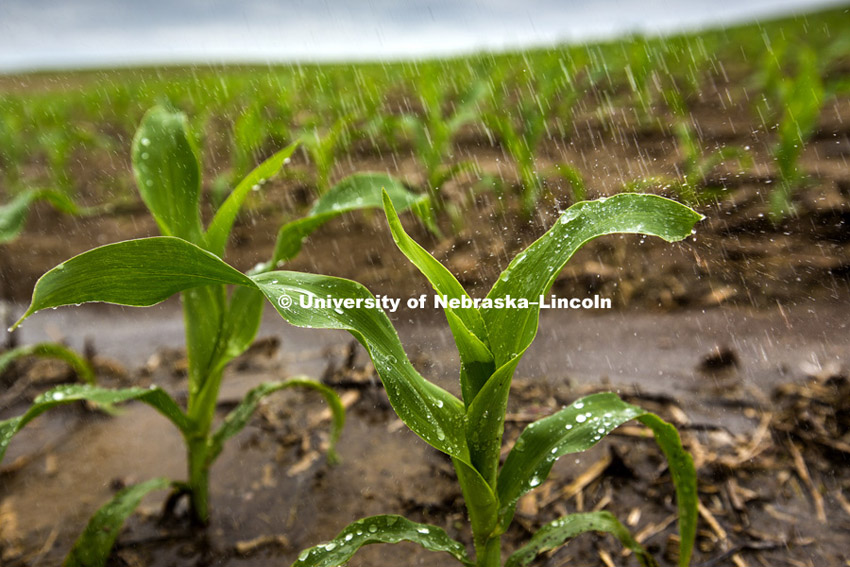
[93,546]
[238,418]
[485,423]
[441,279]
[358,191]
[380,529]
[558,532]
[242,320]
[684,476]
[13,215]
[80,365]
[154,396]
[533,271]
[137,273]
[481,502]
[574,429]
[580,426]
[466,324]
[428,410]
[222,223]
[168,174]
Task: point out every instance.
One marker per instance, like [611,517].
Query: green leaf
[380,529]
[574,177]
[291,236]
[574,429]
[203,318]
[239,416]
[556,533]
[139,273]
[13,215]
[358,191]
[60,201]
[222,223]
[684,476]
[466,323]
[481,502]
[79,364]
[577,428]
[242,320]
[93,547]
[154,396]
[168,174]
[530,275]
[742,156]
[428,410]
[533,271]
[485,421]
[442,280]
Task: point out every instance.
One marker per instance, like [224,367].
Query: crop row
[53,128]
[223,308]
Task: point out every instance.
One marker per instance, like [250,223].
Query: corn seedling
[323,148]
[643,67]
[380,128]
[12,140]
[13,215]
[575,79]
[432,133]
[219,326]
[521,135]
[692,185]
[258,122]
[491,335]
[574,178]
[800,98]
[13,218]
[59,137]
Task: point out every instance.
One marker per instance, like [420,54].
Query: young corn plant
[13,215]
[59,136]
[432,133]
[13,142]
[692,185]
[219,325]
[324,147]
[800,98]
[520,135]
[13,218]
[259,121]
[492,335]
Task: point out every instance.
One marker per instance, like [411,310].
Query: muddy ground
[273,492]
[738,335]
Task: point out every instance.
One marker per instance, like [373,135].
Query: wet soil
[273,492]
[738,335]
[737,255]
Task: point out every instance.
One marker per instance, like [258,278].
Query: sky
[45,34]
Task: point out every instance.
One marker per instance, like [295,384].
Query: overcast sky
[73,33]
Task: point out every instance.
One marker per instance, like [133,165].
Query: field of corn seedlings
[700,182]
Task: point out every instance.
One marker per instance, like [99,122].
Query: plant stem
[199,477]
[491,555]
